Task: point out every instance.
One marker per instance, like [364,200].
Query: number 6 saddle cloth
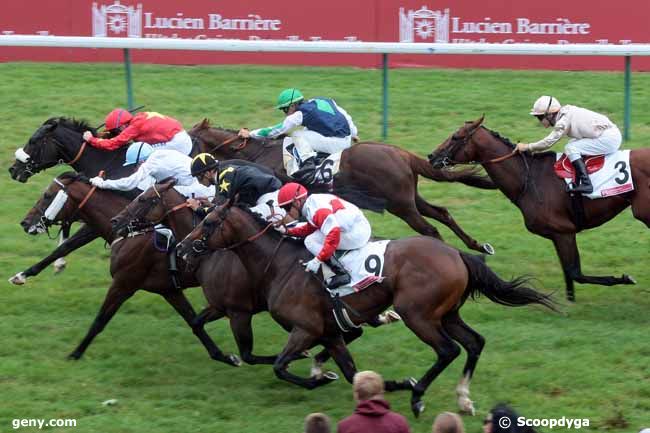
[365,266]
[610,174]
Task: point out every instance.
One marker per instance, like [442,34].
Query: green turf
[591,362]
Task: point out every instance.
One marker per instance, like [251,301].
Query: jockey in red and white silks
[332,224]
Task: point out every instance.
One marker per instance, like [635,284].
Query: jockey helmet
[288,97]
[202,163]
[290,192]
[138,152]
[117,118]
[545,105]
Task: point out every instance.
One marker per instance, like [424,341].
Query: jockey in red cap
[159,131]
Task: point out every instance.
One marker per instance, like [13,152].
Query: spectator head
[495,421]
[368,385]
[448,422]
[317,423]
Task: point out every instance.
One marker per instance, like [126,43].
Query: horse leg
[240,324]
[60,263]
[114,299]
[409,213]
[299,340]
[207,315]
[442,214]
[180,303]
[339,351]
[430,331]
[567,250]
[82,237]
[322,357]
[473,343]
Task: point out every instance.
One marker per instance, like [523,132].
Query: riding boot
[173,269]
[341,276]
[307,172]
[583,183]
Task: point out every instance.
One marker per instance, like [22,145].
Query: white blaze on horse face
[21,155]
[57,204]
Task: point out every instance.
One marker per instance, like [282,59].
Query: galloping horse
[135,262]
[59,141]
[426,280]
[381,170]
[531,184]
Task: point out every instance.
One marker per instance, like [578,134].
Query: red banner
[458,21]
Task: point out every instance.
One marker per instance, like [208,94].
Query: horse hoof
[330,376]
[59,265]
[466,406]
[19,279]
[389,316]
[234,360]
[629,279]
[74,356]
[417,408]
[488,249]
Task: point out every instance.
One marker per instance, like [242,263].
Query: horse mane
[508,142]
[261,222]
[71,123]
[205,124]
[74,176]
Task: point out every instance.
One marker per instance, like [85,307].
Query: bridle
[33,167]
[459,142]
[151,202]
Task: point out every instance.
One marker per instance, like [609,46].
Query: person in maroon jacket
[372,413]
[158,130]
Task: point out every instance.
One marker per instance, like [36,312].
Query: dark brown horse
[135,262]
[426,280]
[531,184]
[381,170]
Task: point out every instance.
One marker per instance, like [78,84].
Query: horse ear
[480,121]
[232,200]
[168,182]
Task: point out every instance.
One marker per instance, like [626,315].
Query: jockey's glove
[97,181]
[313,265]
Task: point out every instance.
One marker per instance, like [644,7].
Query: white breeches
[307,143]
[607,143]
[180,142]
[270,213]
[196,190]
[355,234]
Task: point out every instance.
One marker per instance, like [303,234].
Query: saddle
[564,169]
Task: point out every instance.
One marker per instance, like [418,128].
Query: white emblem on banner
[117,20]
[423,25]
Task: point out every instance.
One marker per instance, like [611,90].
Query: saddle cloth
[610,174]
[326,165]
[365,266]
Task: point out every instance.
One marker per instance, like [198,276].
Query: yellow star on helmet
[223,186]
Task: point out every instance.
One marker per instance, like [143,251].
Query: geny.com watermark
[40,423]
[564,422]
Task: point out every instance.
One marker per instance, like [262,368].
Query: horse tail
[357,196]
[514,293]
[468,176]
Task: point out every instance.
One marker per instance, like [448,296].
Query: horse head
[149,207]
[458,148]
[55,141]
[220,142]
[53,207]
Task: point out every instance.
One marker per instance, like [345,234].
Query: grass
[590,362]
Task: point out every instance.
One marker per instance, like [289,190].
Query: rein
[228,141]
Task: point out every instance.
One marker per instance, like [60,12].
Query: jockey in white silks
[156,166]
[590,133]
[315,125]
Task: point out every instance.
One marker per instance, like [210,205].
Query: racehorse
[531,184]
[59,141]
[381,170]
[135,262]
[426,280]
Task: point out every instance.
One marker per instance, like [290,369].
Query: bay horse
[529,182]
[59,141]
[426,280]
[135,263]
[381,170]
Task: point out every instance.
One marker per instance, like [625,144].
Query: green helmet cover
[288,97]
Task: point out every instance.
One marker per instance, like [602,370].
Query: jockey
[161,132]
[590,133]
[256,185]
[315,125]
[332,224]
[157,166]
